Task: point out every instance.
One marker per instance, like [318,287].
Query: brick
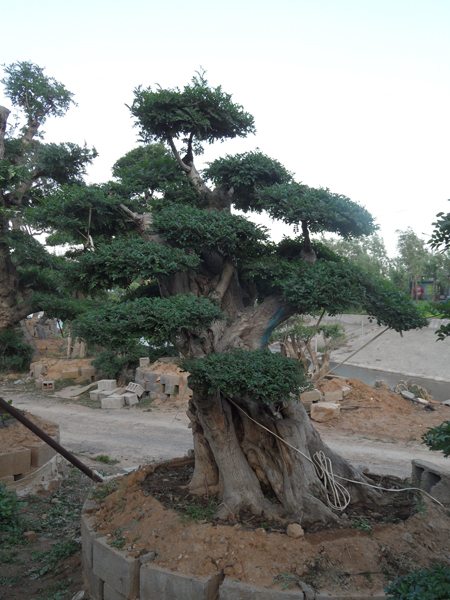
[150,376]
[170,389]
[143,362]
[433,479]
[110,593]
[153,387]
[135,388]
[114,567]
[167,379]
[130,399]
[113,402]
[161,584]
[48,385]
[346,391]
[41,454]
[72,374]
[15,463]
[235,590]
[139,374]
[335,396]
[40,370]
[30,536]
[94,395]
[105,385]
[324,411]
[311,396]
[93,583]
[87,372]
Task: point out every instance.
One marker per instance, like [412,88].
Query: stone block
[94,395]
[324,411]
[93,583]
[110,593]
[161,584]
[135,388]
[38,383]
[48,385]
[407,395]
[139,374]
[113,402]
[40,370]
[150,376]
[170,389]
[107,385]
[87,372]
[70,374]
[130,399]
[154,387]
[41,454]
[143,362]
[15,463]
[235,590]
[334,396]
[167,379]
[311,396]
[432,479]
[113,566]
[346,391]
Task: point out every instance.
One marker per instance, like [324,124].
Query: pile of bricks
[162,386]
[17,463]
[40,372]
[324,407]
[112,396]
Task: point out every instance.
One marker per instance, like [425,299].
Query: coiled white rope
[338,496]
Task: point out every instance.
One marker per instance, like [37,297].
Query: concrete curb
[110,575]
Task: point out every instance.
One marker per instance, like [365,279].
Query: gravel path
[136,437]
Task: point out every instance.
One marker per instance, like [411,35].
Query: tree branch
[224,281]
[4,113]
[183,167]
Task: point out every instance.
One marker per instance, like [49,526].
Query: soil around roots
[152,511]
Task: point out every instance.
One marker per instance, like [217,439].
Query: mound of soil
[390,416]
[17,435]
[151,511]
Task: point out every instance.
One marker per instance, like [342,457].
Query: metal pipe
[50,441]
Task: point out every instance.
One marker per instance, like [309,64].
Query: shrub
[9,510]
[15,354]
[438,438]
[433,584]
[112,363]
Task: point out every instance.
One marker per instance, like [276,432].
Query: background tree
[30,170]
[440,241]
[297,340]
[214,285]
[367,252]
[411,260]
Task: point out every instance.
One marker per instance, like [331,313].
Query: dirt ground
[370,547]
[17,435]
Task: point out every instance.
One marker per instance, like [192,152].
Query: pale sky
[353,95]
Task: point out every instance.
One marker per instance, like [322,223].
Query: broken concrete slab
[324,411]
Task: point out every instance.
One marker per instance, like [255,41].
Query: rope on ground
[338,497]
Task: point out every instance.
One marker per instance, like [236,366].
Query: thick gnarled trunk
[14,305]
